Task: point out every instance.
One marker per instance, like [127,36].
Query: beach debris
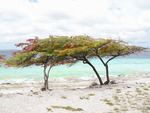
[20,93]
[94,85]
[120,75]
[49,109]
[113,82]
[82,97]
[5,83]
[31,90]
[43,89]
[128,87]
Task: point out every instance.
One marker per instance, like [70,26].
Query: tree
[113,50]
[81,49]
[40,52]
[60,50]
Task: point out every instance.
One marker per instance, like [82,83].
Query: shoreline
[66,78]
[130,94]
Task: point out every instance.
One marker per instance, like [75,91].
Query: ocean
[119,66]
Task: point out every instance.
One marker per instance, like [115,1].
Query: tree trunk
[107,74]
[99,78]
[106,67]
[45,83]
[45,78]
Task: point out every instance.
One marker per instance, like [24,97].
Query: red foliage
[2,56]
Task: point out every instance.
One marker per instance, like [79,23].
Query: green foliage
[57,50]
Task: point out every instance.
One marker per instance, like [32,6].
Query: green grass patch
[118,90]
[116,109]
[146,93]
[56,107]
[91,94]
[108,102]
[35,93]
[87,98]
[126,93]
[63,97]
[67,108]
[116,97]
[146,89]
[141,86]
[73,89]
[138,91]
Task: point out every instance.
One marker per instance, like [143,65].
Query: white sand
[130,95]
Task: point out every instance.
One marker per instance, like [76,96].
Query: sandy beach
[127,94]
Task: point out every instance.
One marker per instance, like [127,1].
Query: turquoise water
[116,67]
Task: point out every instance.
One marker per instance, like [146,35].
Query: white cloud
[23,19]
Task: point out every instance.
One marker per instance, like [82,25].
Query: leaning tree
[81,49]
[40,52]
[112,50]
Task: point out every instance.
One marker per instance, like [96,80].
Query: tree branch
[101,60]
[111,59]
[104,44]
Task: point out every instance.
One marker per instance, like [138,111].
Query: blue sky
[33,0]
[128,20]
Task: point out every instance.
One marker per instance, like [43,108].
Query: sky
[128,20]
